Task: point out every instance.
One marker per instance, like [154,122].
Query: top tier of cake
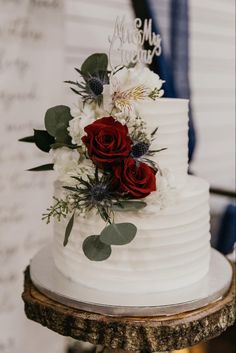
[171,118]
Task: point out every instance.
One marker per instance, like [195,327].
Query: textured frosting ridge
[171,118]
[171,248]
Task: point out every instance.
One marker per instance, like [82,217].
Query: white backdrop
[41,41]
[31,66]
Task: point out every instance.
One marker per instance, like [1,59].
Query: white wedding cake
[128,217]
[171,248]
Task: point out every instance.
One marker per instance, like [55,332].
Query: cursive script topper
[128,41]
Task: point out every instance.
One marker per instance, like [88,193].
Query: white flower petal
[65,160]
[84,114]
[131,86]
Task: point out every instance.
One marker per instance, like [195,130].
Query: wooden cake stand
[132,334]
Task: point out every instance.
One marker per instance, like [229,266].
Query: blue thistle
[95,193]
[139,149]
[92,87]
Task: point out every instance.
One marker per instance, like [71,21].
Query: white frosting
[171,118]
[171,248]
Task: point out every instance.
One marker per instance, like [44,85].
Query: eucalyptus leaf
[118,233]
[95,250]
[57,120]
[95,63]
[62,134]
[43,140]
[40,168]
[68,229]
[27,139]
[129,205]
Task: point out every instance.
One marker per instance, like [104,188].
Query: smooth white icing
[171,248]
[171,117]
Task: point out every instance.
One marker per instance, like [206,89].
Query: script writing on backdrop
[31,59]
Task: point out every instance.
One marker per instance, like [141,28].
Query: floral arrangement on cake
[102,151]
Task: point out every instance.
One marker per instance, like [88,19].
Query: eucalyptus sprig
[96,192]
[59,210]
[55,136]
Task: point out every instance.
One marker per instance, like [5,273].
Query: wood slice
[134,334]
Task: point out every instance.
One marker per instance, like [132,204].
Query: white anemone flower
[65,161]
[68,163]
[166,193]
[83,115]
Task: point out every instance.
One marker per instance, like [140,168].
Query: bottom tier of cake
[171,248]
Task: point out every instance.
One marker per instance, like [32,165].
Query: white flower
[166,193]
[84,114]
[65,161]
[85,169]
[129,87]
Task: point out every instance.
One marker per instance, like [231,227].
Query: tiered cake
[128,217]
[171,248]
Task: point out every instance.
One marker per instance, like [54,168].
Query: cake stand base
[56,286]
[99,349]
[131,334]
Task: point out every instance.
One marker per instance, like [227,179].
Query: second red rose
[134,179]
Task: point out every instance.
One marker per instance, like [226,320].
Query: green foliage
[68,229]
[118,233]
[43,140]
[152,152]
[56,134]
[95,250]
[129,205]
[95,192]
[27,139]
[153,133]
[98,247]
[155,93]
[57,121]
[95,63]
[41,168]
[58,210]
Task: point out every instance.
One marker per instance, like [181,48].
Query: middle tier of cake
[171,248]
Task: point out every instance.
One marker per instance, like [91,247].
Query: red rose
[107,141]
[135,179]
